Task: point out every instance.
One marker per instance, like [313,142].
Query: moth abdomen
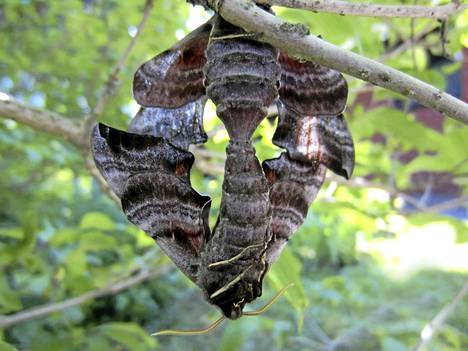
[241,77]
[233,263]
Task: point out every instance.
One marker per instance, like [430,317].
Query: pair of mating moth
[262,205]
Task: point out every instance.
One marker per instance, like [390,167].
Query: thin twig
[416,203]
[437,323]
[408,43]
[293,39]
[112,83]
[111,289]
[370,10]
[365,184]
[447,205]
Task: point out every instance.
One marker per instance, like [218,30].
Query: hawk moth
[262,205]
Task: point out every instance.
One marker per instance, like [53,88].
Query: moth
[262,205]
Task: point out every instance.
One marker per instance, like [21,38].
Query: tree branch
[56,125]
[42,120]
[293,39]
[111,289]
[369,10]
[437,323]
[112,83]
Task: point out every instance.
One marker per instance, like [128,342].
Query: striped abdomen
[233,262]
[241,77]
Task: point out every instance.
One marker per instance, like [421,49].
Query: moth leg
[236,36]
[236,257]
[230,284]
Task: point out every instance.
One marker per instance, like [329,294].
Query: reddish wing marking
[326,140]
[174,77]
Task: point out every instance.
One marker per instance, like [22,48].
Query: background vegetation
[378,257]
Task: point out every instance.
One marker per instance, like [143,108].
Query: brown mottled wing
[313,143]
[316,139]
[174,77]
[311,89]
[293,187]
[151,177]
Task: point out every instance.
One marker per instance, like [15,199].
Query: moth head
[232,297]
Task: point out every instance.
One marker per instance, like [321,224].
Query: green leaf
[97,220]
[285,271]
[129,335]
[6,347]
[9,300]
[392,344]
[13,233]
[96,241]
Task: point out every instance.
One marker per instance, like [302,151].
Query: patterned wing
[174,77]
[293,186]
[316,139]
[151,176]
[311,89]
[181,126]
[312,130]
[313,144]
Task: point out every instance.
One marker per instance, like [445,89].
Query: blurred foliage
[368,273]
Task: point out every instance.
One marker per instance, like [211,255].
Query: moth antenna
[208,329]
[269,304]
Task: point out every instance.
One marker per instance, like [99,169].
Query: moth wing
[174,77]
[337,145]
[311,89]
[293,186]
[151,176]
[172,213]
[313,144]
[181,126]
[313,139]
